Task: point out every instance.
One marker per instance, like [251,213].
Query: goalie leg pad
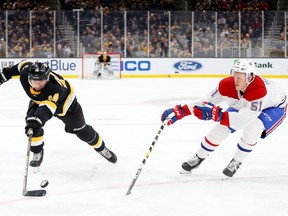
[97,67]
[97,70]
[108,69]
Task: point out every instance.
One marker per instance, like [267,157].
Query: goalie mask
[245,66]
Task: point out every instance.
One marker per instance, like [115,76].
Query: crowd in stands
[19,39]
[151,28]
[18,27]
[229,38]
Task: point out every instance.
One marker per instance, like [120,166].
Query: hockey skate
[231,169]
[37,159]
[108,154]
[189,165]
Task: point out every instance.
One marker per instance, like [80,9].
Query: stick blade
[35,193]
[131,185]
[128,192]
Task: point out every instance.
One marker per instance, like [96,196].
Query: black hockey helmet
[39,71]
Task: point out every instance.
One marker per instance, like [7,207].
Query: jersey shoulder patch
[24,65]
[227,88]
[255,90]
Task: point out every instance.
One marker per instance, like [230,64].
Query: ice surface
[127,115]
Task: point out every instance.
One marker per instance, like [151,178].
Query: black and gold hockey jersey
[102,59]
[53,100]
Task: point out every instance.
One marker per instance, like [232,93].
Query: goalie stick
[144,160]
[34,193]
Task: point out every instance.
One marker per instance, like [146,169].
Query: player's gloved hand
[35,123]
[208,112]
[170,116]
[4,75]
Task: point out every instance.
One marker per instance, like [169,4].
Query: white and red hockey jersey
[260,94]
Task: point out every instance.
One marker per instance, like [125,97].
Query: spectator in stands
[48,50]
[36,50]
[207,50]
[67,53]
[282,52]
[246,44]
[175,28]
[240,5]
[59,50]
[263,5]
[275,53]
[221,20]
[130,52]
[257,27]
[122,6]
[244,30]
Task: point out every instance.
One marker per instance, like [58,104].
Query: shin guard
[90,136]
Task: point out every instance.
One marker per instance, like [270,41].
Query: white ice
[127,115]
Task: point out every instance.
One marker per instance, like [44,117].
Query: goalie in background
[255,105]
[102,67]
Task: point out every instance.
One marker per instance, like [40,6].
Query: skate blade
[185,172]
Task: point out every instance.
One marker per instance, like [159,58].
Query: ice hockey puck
[44,183]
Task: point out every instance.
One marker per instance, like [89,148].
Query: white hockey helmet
[244,66]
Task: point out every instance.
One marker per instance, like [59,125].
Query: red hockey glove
[173,114]
[208,112]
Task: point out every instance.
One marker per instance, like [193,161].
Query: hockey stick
[144,160]
[34,193]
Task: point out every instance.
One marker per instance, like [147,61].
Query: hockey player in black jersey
[51,95]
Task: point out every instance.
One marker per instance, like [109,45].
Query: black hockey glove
[4,75]
[35,123]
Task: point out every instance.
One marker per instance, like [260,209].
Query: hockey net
[88,66]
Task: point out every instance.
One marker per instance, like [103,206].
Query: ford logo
[187,65]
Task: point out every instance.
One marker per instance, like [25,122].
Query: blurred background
[138,28]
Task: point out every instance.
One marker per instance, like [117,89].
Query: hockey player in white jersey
[256,105]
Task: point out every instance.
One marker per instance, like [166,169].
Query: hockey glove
[4,75]
[35,123]
[173,114]
[208,112]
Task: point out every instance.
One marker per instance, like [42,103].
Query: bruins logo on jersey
[54,98]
